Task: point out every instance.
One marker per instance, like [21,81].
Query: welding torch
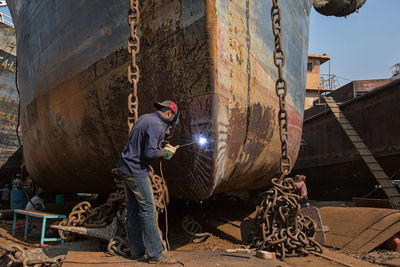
[202,141]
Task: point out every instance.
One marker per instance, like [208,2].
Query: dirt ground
[222,221]
[380,256]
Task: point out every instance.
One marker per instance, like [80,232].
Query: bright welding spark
[202,141]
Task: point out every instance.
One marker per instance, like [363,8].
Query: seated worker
[36,203]
[300,182]
[16,183]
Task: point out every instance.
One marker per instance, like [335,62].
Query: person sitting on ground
[36,203]
[5,195]
[300,182]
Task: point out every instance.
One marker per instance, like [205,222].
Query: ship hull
[10,155]
[214,58]
[327,157]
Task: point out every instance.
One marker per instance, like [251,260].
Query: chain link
[29,256]
[281,90]
[193,229]
[133,47]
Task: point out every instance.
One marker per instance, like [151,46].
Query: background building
[317,83]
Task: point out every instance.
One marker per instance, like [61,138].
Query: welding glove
[168,151]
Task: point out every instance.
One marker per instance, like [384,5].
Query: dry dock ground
[225,234]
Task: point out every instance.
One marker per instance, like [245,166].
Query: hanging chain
[281,90]
[279,225]
[133,47]
[115,206]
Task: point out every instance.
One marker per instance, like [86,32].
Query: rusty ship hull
[214,58]
[328,158]
[10,154]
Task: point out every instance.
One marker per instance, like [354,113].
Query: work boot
[164,260]
[140,258]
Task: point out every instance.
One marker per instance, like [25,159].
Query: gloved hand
[168,151]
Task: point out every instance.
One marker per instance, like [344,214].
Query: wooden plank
[372,203]
[369,159]
[355,138]
[384,182]
[38,213]
[364,152]
[359,145]
[374,166]
[343,120]
[351,132]
[348,127]
[379,174]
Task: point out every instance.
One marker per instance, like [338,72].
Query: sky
[363,45]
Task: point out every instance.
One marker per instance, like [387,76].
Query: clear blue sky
[361,46]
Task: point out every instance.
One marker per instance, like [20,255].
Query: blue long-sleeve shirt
[143,145]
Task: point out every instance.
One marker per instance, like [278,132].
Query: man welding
[144,145]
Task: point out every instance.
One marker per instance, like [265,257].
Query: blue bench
[37,214]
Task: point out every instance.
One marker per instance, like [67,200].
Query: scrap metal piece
[238,250]
[313,213]
[262,254]
[364,228]
[105,233]
[28,256]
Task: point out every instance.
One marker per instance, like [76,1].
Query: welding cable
[19,115]
[165,205]
[19,101]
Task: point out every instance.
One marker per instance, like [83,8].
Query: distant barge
[10,154]
[333,166]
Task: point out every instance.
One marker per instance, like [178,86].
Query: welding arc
[188,144]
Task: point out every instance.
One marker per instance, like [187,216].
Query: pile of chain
[193,230]
[282,229]
[115,206]
[29,257]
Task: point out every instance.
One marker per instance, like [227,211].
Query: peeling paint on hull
[214,58]
[10,156]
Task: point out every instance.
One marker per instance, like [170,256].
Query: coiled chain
[28,256]
[115,206]
[282,229]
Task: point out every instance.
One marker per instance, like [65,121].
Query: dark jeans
[143,233]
